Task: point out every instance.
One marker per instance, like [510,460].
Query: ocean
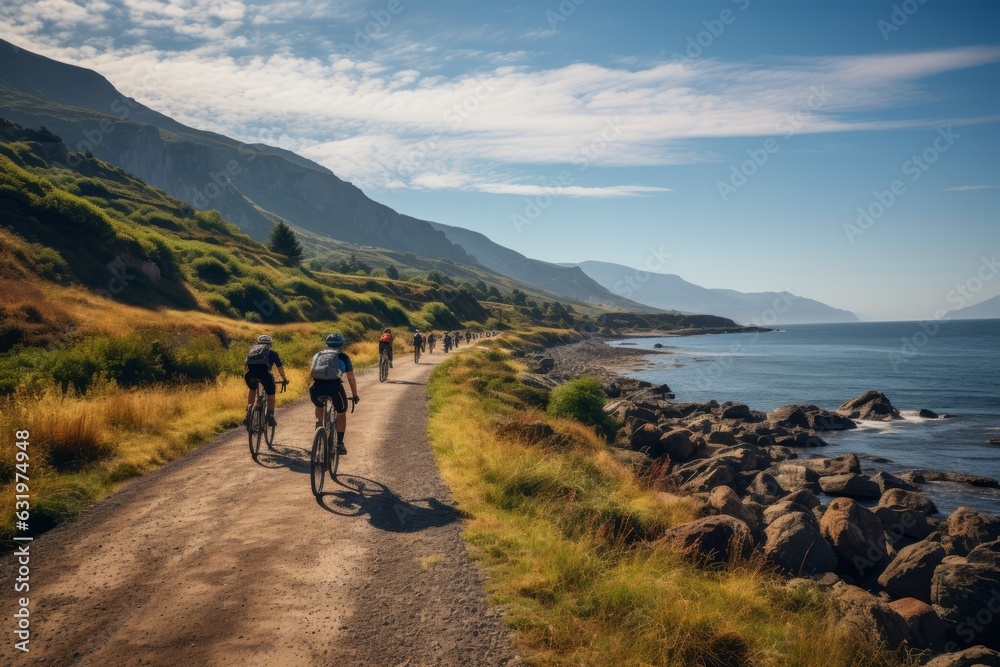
[948,367]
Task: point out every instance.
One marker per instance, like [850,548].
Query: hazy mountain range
[671,292]
[254,185]
[984,310]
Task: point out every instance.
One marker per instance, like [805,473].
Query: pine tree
[392,272]
[283,241]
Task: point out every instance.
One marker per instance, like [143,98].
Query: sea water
[947,366]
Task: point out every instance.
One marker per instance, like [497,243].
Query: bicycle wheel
[383,368]
[256,430]
[319,461]
[268,435]
[416,354]
[333,457]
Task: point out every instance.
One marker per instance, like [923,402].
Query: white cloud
[963,188]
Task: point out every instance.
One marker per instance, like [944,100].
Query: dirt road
[215,560]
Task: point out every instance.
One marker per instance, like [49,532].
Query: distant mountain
[251,185]
[568,281]
[984,310]
[671,292]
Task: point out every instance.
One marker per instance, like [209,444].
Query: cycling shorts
[332,388]
[262,374]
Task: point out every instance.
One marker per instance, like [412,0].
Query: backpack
[258,354]
[385,338]
[326,365]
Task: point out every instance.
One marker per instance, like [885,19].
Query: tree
[283,241]
[392,272]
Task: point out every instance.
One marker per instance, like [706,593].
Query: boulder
[839,465]
[713,539]
[967,596]
[988,553]
[742,457]
[907,499]
[679,444]
[643,414]
[803,497]
[793,543]
[910,572]
[737,411]
[766,486]
[850,485]
[864,615]
[857,538]
[900,522]
[774,512]
[722,438]
[921,476]
[968,528]
[887,481]
[725,501]
[794,477]
[926,627]
[976,656]
[646,438]
[776,453]
[720,474]
[927,414]
[809,417]
[869,406]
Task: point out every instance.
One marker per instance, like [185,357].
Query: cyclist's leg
[251,394]
[314,394]
[339,396]
[267,379]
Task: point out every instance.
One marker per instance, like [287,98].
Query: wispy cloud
[963,188]
[387,126]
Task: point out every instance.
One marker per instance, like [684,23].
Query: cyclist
[431,340]
[418,340]
[447,343]
[328,380]
[468,337]
[385,344]
[257,366]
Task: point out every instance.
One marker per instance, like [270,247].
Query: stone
[869,406]
[902,522]
[713,539]
[967,596]
[722,438]
[988,553]
[809,417]
[718,475]
[742,457]
[737,411]
[838,465]
[908,499]
[975,656]
[765,485]
[887,481]
[857,538]
[803,497]
[793,543]
[774,512]
[910,572]
[725,501]
[927,414]
[679,444]
[646,438]
[850,485]
[863,614]
[926,627]
[968,528]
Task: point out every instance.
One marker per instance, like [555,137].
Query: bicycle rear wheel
[333,458]
[383,368]
[319,461]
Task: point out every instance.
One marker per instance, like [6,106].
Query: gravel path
[214,560]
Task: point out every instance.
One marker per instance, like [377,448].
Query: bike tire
[383,369]
[319,461]
[268,435]
[333,459]
[256,430]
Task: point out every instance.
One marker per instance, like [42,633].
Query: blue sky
[736,138]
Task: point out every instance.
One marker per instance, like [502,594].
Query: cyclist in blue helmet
[334,388]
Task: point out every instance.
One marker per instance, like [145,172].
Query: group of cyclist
[262,358]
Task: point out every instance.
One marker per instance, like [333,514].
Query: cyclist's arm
[352,382]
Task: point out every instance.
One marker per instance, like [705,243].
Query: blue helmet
[335,340]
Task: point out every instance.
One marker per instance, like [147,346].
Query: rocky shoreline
[894,566]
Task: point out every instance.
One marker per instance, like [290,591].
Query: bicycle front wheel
[256,430]
[319,461]
[383,369]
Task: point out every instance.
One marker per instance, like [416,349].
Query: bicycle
[383,366]
[257,425]
[324,455]
[416,353]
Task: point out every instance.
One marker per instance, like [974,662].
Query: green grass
[570,541]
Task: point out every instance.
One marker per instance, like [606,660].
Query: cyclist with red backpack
[328,369]
[257,369]
[385,344]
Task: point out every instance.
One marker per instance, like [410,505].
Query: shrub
[582,399]
[211,270]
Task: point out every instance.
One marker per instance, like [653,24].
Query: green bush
[211,270]
[582,399]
